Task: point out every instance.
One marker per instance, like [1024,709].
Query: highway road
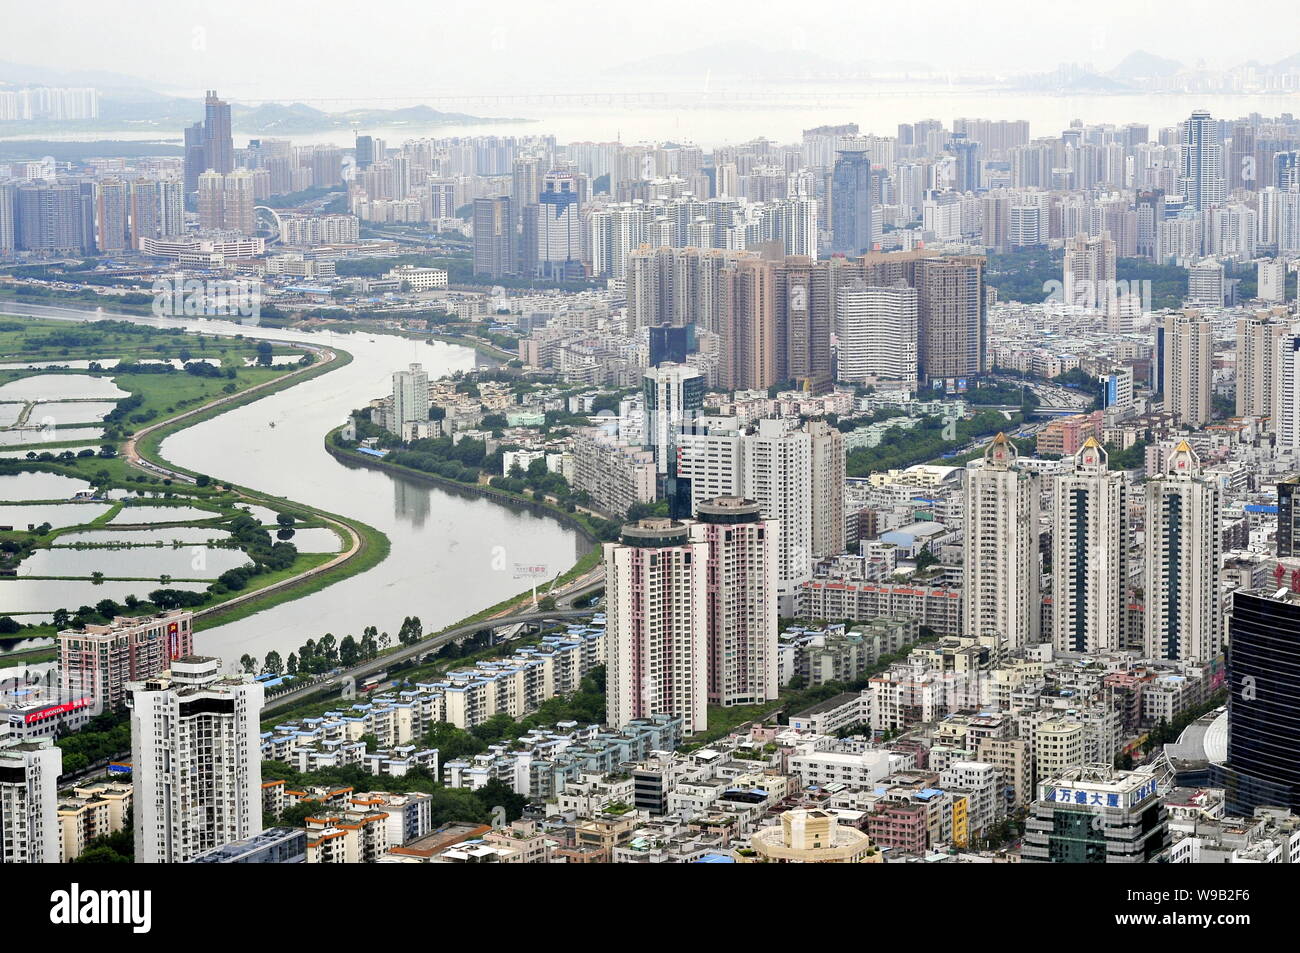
[424,647]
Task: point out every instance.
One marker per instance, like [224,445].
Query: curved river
[452,555]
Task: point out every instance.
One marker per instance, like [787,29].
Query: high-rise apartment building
[98,660]
[494,237]
[804,319]
[656,584]
[55,218]
[29,802]
[747,326]
[8,235]
[112,211]
[410,402]
[877,333]
[1181,571]
[146,210]
[171,216]
[1089,274]
[196,760]
[1189,367]
[1089,554]
[826,473]
[742,605]
[227,202]
[1259,365]
[777,462]
[1001,571]
[952,315]
[1271,279]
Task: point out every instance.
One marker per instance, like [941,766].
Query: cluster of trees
[266,556]
[1029,275]
[316,656]
[89,335]
[411,631]
[904,448]
[116,848]
[1166,733]
[1128,459]
[538,478]
[105,737]
[999,392]
[103,612]
[448,804]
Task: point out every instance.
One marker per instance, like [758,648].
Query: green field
[154,398]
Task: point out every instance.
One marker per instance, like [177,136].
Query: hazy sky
[276,49]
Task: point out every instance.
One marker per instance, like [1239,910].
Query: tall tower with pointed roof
[1182,609]
[1089,554]
[1001,572]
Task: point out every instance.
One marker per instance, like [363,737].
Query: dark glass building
[1287,515]
[670,344]
[1263,766]
[851,203]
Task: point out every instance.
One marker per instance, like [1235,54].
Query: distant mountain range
[127,102]
[1140,65]
[1069,79]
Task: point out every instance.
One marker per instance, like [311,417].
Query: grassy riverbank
[160,403]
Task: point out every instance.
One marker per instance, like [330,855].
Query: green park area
[84,533]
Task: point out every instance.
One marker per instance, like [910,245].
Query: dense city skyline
[870,438]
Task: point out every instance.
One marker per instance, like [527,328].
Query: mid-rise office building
[1096,814]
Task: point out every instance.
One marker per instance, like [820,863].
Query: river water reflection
[452,554]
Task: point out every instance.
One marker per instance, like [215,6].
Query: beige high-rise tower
[1181,582]
[1089,554]
[657,633]
[1189,367]
[1259,365]
[1001,585]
